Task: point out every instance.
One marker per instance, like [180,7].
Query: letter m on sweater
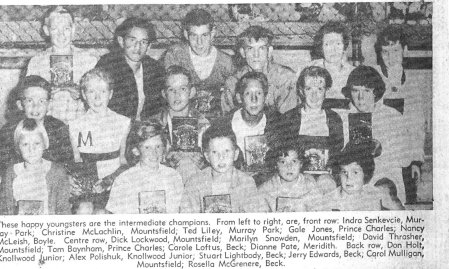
[85,142]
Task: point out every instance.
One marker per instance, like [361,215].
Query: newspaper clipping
[224,135]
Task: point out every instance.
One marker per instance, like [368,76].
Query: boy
[178,93]
[33,97]
[148,177]
[137,78]
[251,119]
[99,136]
[288,188]
[208,66]
[255,46]
[220,187]
[59,27]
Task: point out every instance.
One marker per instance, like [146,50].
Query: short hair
[139,133]
[315,72]
[32,81]
[197,17]
[243,82]
[365,76]
[56,10]
[127,25]
[255,32]
[330,27]
[96,73]
[218,129]
[27,126]
[273,155]
[362,154]
[177,70]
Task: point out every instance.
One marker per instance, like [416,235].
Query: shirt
[124,197]
[203,65]
[313,124]
[303,188]
[94,133]
[241,129]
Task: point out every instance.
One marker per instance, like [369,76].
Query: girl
[34,186]
[356,168]
[288,188]
[148,186]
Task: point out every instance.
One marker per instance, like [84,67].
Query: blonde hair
[28,126]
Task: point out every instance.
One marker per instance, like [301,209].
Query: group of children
[105,162]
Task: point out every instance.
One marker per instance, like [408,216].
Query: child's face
[31,147]
[152,150]
[333,47]
[178,92]
[314,92]
[135,44]
[221,154]
[257,53]
[97,94]
[60,29]
[392,54]
[289,166]
[253,98]
[200,39]
[351,176]
[34,103]
[363,98]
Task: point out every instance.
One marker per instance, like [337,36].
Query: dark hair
[255,32]
[365,76]
[217,129]
[177,70]
[360,154]
[197,17]
[141,131]
[312,71]
[127,25]
[389,35]
[243,82]
[330,27]
[98,73]
[32,81]
[273,155]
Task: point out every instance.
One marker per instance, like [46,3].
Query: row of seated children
[99,131]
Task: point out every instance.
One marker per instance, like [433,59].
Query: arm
[7,203]
[76,152]
[123,145]
[62,191]
[190,201]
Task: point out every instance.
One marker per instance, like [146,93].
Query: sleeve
[117,197]
[267,200]
[286,97]
[191,198]
[35,67]
[7,204]
[252,201]
[7,152]
[61,149]
[62,191]
[178,190]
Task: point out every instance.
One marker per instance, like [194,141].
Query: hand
[416,172]
[227,103]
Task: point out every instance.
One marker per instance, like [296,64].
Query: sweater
[58,188]
[125,98]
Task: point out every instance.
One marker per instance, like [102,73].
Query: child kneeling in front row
[149,186]
[356,169]
[34,186]
[288,189]
[220,188]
